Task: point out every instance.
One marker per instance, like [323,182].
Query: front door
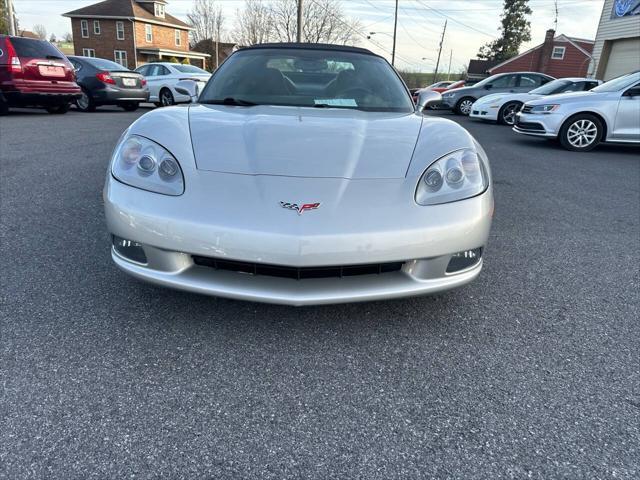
[627,122]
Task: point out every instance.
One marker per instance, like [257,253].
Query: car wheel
[581,133]
[85,103]
[463,107]
[130,106]
[58,109]
[166,98]
[507,114]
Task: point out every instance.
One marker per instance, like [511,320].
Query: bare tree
[52,38]
[323,22]
[254,23]
[67,37]
[40,31]
[207,20]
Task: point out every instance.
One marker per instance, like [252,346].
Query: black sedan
[105,82]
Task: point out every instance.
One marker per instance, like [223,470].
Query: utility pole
[395,29]
[299,32]
[555,21]
[435,74]
[449,69]
[12,22]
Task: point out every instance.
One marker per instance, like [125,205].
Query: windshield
[308,78]
[556,86]
[188,68]
[619,83]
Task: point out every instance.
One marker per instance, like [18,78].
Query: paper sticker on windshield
[336,102]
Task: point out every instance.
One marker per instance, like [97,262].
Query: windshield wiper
[53,57]
[230,101]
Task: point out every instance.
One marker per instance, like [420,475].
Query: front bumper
[174,229]
[540,125]
[447,103]
[484,111]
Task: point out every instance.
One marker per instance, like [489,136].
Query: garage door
[624,57]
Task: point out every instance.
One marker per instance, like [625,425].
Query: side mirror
[189,88]
[488,86]
[427,98]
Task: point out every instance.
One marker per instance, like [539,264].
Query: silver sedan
[303,175]
[581,120]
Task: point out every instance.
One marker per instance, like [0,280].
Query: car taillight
[14,60]
[144,81]
[104,77]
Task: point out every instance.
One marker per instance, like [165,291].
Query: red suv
[34,73]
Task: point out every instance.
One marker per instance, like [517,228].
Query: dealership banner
[625,8]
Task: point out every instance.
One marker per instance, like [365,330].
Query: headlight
[459,175]
[448,95]
[544,108]
[142,163]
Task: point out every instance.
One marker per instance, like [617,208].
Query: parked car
[502,107]
[34,73]
[104,82]
[607,113]
[300,186]
[437,87]
[162,78]
[460,100]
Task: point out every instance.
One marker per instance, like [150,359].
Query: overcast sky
[471,23]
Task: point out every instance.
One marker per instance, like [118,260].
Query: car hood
[303,142]
[564,98]
[458,90]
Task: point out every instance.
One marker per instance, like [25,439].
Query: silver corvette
[303,174]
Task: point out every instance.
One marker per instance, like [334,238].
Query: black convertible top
[310,46]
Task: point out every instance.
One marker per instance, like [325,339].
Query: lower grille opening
[533,126]
[295,272]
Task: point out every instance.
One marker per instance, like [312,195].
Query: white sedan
[502,107]
[162,77]
[304,174]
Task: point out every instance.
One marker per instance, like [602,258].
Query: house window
[120,56]
[158,10]
[96,27]
[84,28]
[88,52]
[148,33]
[120,30]
[178,38]
[558,53]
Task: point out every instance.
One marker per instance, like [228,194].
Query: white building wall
[611,29]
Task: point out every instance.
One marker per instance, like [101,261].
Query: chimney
[546,50]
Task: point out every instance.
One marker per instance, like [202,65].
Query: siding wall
[611,29]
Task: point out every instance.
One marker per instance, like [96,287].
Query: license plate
[51,71]
[129,82]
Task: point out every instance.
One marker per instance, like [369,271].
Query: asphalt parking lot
[532,371]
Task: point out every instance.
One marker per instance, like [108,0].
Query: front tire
[581,133]
[166,98]
[58,109]
[507,114]
[463,107]
[130,106]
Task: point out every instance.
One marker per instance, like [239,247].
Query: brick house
[132,33]
[559,56]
